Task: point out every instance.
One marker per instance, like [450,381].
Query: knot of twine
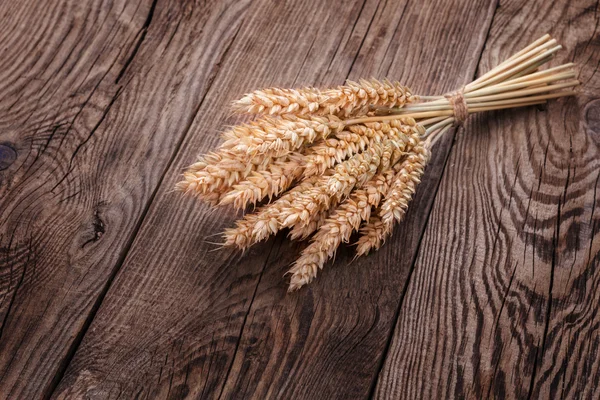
[459,106]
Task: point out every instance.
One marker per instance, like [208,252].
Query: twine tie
[459,106]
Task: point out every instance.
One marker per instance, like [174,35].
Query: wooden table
[109,287]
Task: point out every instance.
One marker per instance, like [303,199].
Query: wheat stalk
[330,162]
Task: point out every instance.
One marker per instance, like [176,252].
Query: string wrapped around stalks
[326,163]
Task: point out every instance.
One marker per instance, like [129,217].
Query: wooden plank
[182,320]
[95,97]
[503,301]
[170,323]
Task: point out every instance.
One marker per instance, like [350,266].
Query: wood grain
[214,324]
[171,321]
[503,301]
[94,101]
[110,285]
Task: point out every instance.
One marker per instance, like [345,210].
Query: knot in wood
[8,155]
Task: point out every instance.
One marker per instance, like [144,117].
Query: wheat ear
[280,174]
[347,218]
[343,101]
[396,201]
[278,136]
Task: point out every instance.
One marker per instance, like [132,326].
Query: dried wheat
[280,174]
[345,144]
[301,232]
[272,181]
[350,157]
[216,172]
[342,101]
[301,202]
[347,218]
[278,136]
[393,209]
[260,225]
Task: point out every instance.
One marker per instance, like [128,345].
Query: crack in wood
[98,226]
[88,138]
[142,36]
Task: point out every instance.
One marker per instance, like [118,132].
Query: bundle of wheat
[331,162]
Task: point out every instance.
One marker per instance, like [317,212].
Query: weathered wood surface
[109,287]
[504,299]
[94,100]
[241,334]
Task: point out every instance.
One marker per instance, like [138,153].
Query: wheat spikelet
[278,136]
[297,207]
[237,175]
[258,226]
[347,218]
[397,198]
[336,229]
[255,151]
[301,232]
[280,174]
[357,170]
[216,172]
[281,101]
[312,196]
[342,101]
[346,100]
[346,176]
[373,190]
[329,152]
[372,236]
[277,178]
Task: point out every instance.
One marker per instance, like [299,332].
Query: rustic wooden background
[108,288]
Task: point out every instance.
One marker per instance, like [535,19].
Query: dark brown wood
[209,324]
[176,331]
[95,97]
[109,283]
[504,301]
